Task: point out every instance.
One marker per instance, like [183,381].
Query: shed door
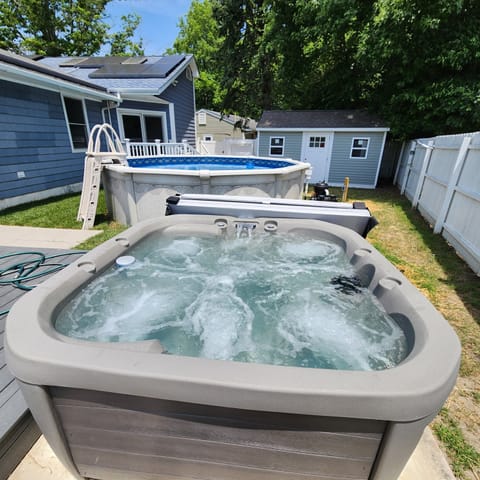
[316,151]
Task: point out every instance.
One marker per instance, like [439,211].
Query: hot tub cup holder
[221,223]
[88,267]
[124,242]
[389,282]
[386,285]
[270,226]
[362,252]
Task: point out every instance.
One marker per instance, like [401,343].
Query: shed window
[359,148]
[276,146]
[316,142]
[76,120]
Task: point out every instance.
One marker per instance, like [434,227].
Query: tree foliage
[121,42]
[416,62]
[62,27]
[425,60]
[247,57]
[199,34]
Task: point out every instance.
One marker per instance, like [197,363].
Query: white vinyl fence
[441,177]
[228,146]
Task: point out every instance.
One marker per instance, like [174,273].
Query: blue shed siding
[34,139]
[182,95]
[361,171]
[292,144]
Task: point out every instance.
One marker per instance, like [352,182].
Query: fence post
[400,157]
[423,172]
[411,154]
[157,147]
[452,183]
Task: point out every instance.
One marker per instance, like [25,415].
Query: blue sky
[159,20]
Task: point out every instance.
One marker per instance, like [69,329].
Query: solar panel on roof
[121,71]
[97,62]
[166,65]
[134,60]
[159,69]
[71,62]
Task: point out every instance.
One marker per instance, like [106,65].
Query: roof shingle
[319,119]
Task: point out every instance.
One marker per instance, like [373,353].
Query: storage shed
[337,143]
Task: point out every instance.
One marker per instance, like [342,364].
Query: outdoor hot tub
[138,191]
[219,348]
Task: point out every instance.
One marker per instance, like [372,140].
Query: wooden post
[423,172]
[452,183]
[346,183]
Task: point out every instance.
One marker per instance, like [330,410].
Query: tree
[318,43]
[247,58]
[59,27]
[424,60]
[414,62]
[121,42]
[199,34]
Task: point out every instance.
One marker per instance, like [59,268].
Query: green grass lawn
[61,212]
[433,266]
[408,242]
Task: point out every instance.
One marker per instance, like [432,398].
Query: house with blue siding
[337,143]
[48,105]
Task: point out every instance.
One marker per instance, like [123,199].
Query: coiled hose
[19,273]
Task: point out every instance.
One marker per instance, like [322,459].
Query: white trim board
[346,129]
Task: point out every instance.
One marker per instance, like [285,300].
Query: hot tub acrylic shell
[113,410]
[134,193]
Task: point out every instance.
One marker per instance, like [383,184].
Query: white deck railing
[157,149]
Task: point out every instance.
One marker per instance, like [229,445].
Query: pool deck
[40,463]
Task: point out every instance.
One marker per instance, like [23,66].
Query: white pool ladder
[95,159]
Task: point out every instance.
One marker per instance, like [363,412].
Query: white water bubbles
[263,298]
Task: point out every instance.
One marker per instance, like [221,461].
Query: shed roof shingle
[319,119]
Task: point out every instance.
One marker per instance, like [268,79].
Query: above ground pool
[139,191]
[206,347]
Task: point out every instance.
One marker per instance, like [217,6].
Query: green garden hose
[20,272]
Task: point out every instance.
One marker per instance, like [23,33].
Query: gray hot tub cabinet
[116,411]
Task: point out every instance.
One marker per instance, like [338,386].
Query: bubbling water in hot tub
[273,299]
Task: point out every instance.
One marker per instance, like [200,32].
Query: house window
[359,148]
[202,118]
[142,126]
[276,146]
[208,138]
[77,123]
[132,127]
[316,142]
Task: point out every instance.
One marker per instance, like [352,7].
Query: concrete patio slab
[426,463]
[35,237]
